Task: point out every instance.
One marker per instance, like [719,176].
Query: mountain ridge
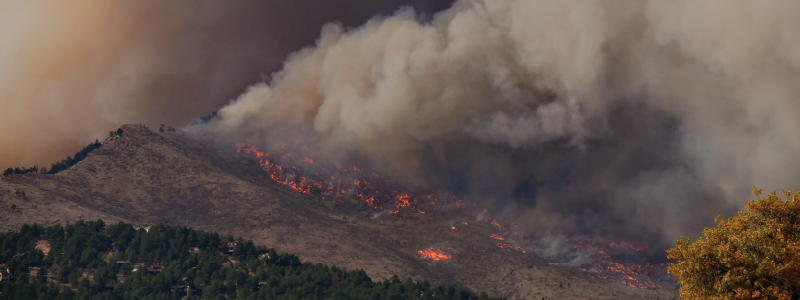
[190,178]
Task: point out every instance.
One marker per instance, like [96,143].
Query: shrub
[753,255]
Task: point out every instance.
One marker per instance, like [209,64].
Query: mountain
[189,178]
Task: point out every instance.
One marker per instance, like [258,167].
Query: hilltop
[189,179]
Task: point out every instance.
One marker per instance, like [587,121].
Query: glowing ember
[620,261]
[433,254]
[302,173]
[298,168]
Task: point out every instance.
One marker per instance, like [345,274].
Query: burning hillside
[299,168]
[146,177]
[614,119]
[434,254]
[618,261]
[295,167]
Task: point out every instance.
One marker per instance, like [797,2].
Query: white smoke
[672,109]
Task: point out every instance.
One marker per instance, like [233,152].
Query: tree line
[65,163]
[92,260]
[206,119]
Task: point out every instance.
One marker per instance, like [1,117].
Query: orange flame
[303,175]
[332,182]
[433,254]
[629,273]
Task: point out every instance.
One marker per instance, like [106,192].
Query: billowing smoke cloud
[71,71]
[642,119]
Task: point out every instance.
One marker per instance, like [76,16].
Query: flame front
[302,174]
[433,254]
[604,254]
[333,182]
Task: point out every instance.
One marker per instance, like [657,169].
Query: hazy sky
[70,71]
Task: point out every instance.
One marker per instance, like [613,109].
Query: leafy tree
[205,120]
[112,134]
[753,255]
[248,272]
[22,170]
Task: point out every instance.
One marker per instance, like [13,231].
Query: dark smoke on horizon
[625,118]
[71,71]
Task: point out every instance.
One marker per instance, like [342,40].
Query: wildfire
[433,254]
[613,260]
[300,170]
[332,182]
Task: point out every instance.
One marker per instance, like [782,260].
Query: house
[186,290]
[194,250]
[227,247]
[154,269]
[146,228]
[5,274]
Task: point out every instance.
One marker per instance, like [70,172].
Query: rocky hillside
[178,178]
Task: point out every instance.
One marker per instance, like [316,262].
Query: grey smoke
[640,119]
[71,71]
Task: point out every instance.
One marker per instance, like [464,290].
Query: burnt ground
[177,178]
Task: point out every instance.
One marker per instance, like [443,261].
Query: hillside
[177,178]
[92,260]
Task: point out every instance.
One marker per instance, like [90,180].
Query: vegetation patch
[89,260]
[753,255]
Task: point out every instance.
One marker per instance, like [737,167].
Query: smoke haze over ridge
[642,119]
[70,71]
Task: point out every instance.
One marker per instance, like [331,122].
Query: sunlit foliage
[753,255]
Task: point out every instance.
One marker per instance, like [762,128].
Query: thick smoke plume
[640,119]
[71,71]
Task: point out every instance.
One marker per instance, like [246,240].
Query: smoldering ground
[71,71]
[627,118]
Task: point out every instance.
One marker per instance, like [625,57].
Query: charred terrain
[184,178]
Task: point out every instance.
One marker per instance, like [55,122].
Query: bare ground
[144,177]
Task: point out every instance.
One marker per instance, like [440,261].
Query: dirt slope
[145,177]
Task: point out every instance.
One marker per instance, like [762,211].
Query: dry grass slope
[177,178]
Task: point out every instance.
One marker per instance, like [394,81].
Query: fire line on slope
[433,254]
[296,167]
